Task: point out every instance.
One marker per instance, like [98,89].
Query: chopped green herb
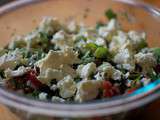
[101,52]
[142,45]
[154,76]
[87,58]
[156,52]
[91,46]
[110,14]
[81,38]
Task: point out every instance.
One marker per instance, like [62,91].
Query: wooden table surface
[152,112]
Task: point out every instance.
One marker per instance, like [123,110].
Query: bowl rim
[111,106]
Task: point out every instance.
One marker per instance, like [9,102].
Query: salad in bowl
[72,62]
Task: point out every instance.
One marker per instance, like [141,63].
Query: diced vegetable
[91,46]
[101,52]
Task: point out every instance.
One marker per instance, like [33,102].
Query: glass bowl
[22,16]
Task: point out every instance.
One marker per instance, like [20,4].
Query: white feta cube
[43,96]
[49,25]
[10,60]
[15,73]
[100,41]
[62,40]
[136,37]
[87,90]
[104,31]
[51,74]
[72,27]
[58,60]
[106,71]
[85,71]
[125,58]
[118,41]
[67,87]
[146,60]
[57,99]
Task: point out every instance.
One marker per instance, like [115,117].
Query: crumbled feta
[106,71]
[146,60]
[51,74]
[57,99]
[87,90]
[127,75]
[62,40]
[67,87]
[100,41]
[54,87]
[125,58]
[49,25]
[60,35]
[118,41]
[90,41]
[99,76]
[43,96]
[32,39]
[10,60]
[103,31]
[129,67]
[111,26]
[136,37]
[81,44]
[60,60]
[72,27]
[85,71]
[15,73]
[116,75]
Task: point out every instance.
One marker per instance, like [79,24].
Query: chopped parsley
[110,14]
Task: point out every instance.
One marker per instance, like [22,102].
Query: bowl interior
[24,19]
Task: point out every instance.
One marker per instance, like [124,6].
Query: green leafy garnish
[44,37]
[142,45]
[34,94]
[134,75]
[91,47]
[156,52]
[87,58]
[136,82]
[79,38]
[101,52]
[110,14]
[154,76]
